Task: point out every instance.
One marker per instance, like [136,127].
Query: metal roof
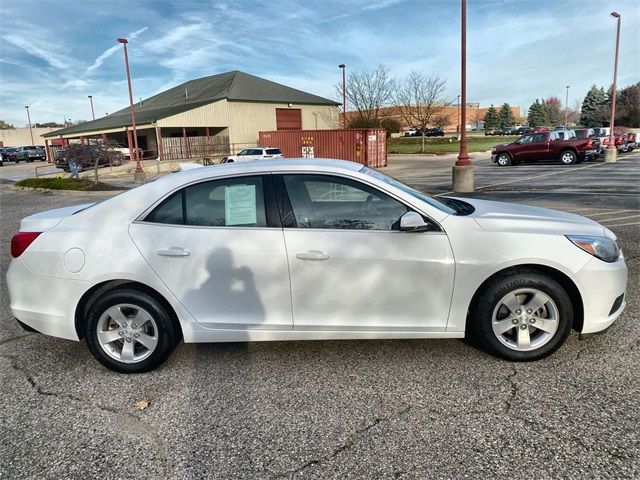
[234,86]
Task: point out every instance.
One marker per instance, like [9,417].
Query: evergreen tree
[628,106]
[537,114]
[491,118]
[507,118]
[594,108]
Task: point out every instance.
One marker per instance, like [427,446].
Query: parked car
[491,132]
[281,250]
[546,145]
[19,154]
[413,132]
[251,154]
[632,142]
[508,131]
[583,133]
[126,153]
[434,132]
[522,130]
[36,152]
[92,152]
[539,129]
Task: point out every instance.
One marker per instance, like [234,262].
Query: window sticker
[240,205]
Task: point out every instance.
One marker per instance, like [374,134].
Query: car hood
[510,217]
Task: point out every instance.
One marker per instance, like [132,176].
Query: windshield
[407,189]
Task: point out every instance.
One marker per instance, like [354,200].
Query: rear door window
[234,202]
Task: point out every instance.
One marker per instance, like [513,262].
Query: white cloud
[37,48]
[111,50]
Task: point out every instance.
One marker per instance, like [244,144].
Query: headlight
[604,248]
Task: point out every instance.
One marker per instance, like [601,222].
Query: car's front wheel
[523,316]
[129,331]
[503,160]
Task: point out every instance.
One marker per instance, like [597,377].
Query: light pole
[342,66]
[566,109]
[463,169]
[93,115]
[610,153]
[138,174]
[458,120]
[29,120]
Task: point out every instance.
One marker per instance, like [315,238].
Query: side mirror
[413,222]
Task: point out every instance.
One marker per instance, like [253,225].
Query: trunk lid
[43,221]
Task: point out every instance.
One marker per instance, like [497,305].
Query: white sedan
[252,154]
[309,250]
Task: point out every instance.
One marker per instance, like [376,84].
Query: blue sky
[55,53]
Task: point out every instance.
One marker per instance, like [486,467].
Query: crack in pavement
[514,389]
[139,427]
[352,439]
[12,339]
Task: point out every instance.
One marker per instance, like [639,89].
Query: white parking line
[622,224]
[611,212]
[540,176]
[618,218]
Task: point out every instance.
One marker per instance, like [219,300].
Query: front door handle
[173,252]
[312,255]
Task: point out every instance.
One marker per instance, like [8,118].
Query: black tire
[503,160]
[568,157]
[489,300]
[167,333]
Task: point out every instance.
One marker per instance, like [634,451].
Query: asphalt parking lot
[343,409]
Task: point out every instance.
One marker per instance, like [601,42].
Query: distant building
[219,114]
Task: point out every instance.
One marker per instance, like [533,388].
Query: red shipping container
[365,146]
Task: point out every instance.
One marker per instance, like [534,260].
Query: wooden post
[159,142]
[208,149]
[47,151]
[131,157]
[186,144]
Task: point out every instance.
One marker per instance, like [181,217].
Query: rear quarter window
[273,151]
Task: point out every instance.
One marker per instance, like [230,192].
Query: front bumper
[601,285]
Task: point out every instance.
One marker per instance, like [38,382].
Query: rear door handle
[312,255]
[173,252]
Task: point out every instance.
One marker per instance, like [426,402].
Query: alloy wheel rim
[502,160]
[127,333]
[567,158]
[525,319]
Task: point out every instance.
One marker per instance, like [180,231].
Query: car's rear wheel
[522,317]
[503,160]
[129,331]
[568,157]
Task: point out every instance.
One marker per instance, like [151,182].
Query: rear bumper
[44,304]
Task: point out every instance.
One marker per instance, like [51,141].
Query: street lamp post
[463,169]
[138,174]
[93,115]
[342,66]
[458,120]
[29,120]
[566,109]
[610,153]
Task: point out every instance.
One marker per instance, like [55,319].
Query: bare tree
[419,99]
[441,120]
[477,118]
[367,92]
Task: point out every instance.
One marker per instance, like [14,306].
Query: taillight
[605,141]
[590,143]
[21,241]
